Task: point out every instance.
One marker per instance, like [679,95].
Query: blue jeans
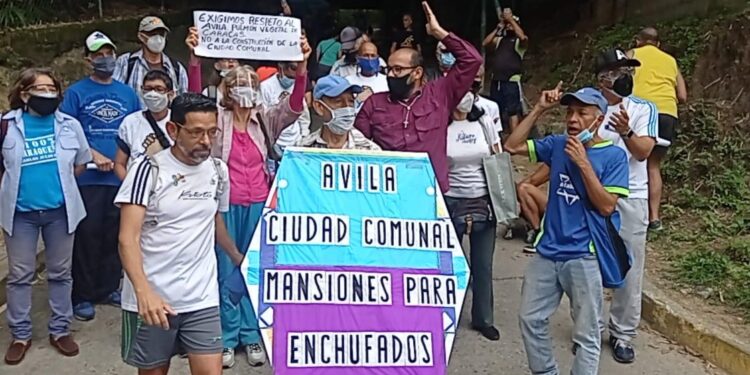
[239,325]
[482,248]
[544,283]
[58,251]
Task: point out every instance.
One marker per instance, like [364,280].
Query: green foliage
[727,272]
[708,173]
[15,13]
[703,268]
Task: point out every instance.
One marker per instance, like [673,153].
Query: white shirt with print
[644,122]
[177,237]
[377,83]
[136,133]
[467,146]
[491,112]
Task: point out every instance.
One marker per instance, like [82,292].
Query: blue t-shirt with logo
[100,109]
[39,166]
[565,234]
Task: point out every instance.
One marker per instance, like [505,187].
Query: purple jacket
[420,124]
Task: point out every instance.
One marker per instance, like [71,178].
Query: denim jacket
[71,149]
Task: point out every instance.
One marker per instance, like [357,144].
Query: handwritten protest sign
[247,36]
[355,267]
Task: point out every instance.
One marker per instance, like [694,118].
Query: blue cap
[586,95]
[333,86]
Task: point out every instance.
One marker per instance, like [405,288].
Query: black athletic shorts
[507,95]
[667,129]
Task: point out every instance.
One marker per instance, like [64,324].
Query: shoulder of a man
[362,143]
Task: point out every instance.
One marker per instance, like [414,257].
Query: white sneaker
[256,356]
[227,358]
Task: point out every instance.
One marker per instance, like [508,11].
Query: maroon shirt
[420,124]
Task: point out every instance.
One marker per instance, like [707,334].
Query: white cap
[97,40]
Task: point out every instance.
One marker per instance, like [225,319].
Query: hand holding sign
[192,39]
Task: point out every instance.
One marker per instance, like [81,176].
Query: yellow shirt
[656,78]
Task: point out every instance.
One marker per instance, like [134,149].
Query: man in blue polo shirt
[587,176]
[99,103]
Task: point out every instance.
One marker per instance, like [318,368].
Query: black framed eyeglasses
[398,70]
[200,133]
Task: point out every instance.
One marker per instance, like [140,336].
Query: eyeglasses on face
[199,133]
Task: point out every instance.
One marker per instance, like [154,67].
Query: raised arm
[195,76]
[513,24]
[288,110]
[516,143]
[468,60]
[491,38]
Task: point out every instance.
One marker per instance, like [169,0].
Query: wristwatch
[628,135]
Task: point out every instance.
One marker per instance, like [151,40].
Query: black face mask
[399,87]
[43,106]
[476,87]
[623,86]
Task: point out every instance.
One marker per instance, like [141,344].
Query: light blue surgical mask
[286,82]
[447,59]
[586,135]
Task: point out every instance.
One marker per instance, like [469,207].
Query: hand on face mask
[244,96]
[342,119]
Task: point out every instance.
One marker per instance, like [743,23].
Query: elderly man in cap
[351,39]
[588,175]
[334,103]
[132,67]
[99,103]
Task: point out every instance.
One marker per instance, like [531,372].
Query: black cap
[614,58]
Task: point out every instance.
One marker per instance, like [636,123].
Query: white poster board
[247,36]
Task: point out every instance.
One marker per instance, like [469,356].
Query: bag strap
[131,65]
[177,71]
[211,91]
[160,136]
[221,184]
[154,173]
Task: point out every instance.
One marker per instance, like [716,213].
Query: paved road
[472,354]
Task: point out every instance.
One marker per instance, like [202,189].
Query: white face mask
[156,43]
[244,96]
[155,102]
[342,119]
[466,103]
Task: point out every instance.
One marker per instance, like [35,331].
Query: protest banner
[247,36]
[355,267]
